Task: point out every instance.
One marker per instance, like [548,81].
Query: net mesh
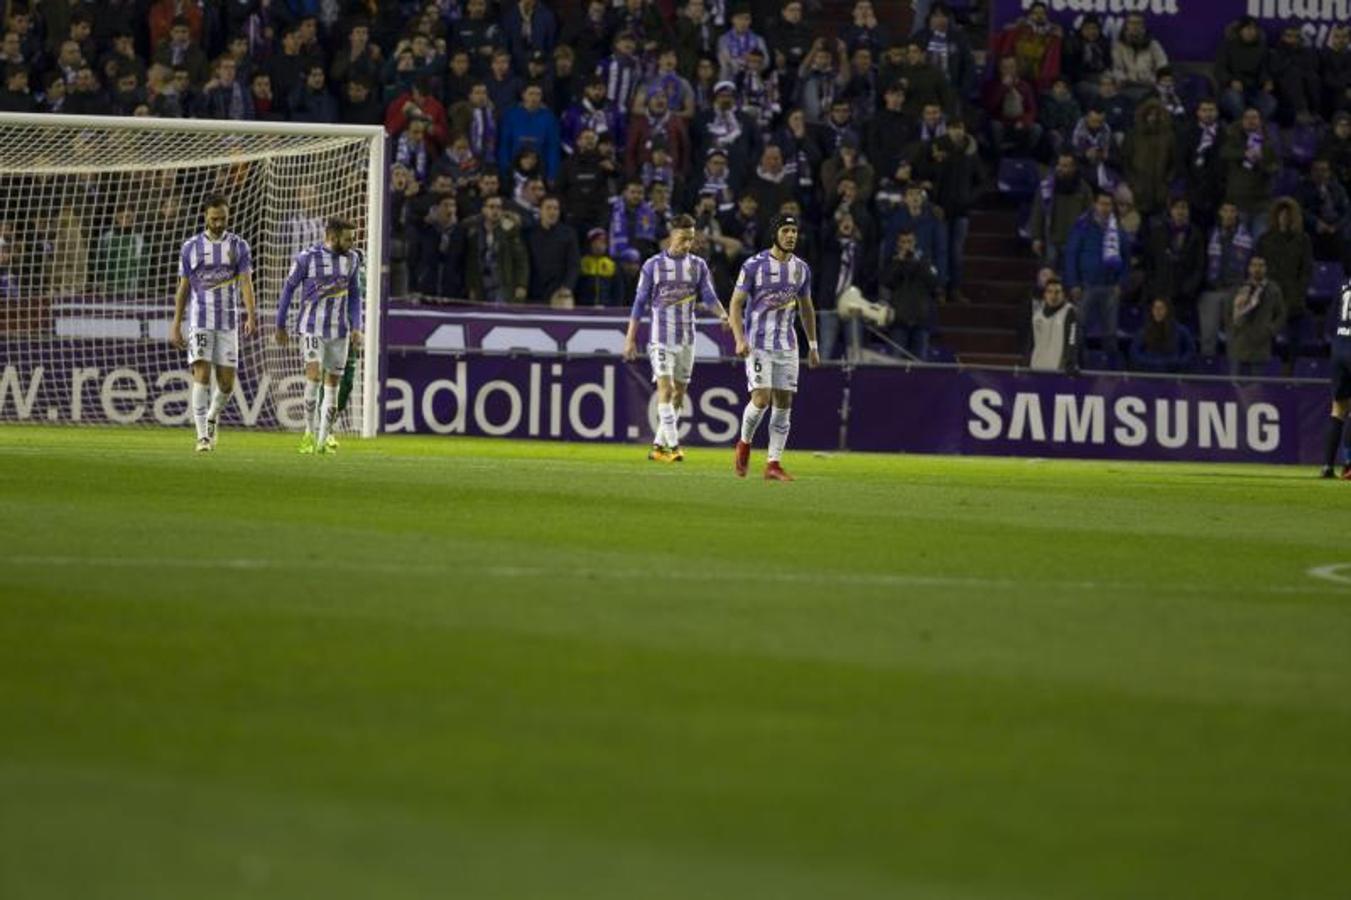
[92,220]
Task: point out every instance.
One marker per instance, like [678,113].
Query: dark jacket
[313,106]
[555,261]
[954,177]
[1203,170]
[1149,157]
[910,286]
[1250,337]
[1171,351]
[513,264]
[584,185]
[1174,263]
[1239,61]
[961,68]
[1289,256]
[1247,186]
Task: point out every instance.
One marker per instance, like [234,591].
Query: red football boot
[743,458]
[775,472]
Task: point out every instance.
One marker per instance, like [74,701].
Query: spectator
[714,180]
[1034,41]
[726,128]
[1054,331]
[718,249]
[1336,148]
[1061,199]
[530,124]
[555,261]
[438,266]
[265,108]
[1165,89]
[1149,157]
[1087,57]
[504,87]
[1202,169]
[758,91]
[948,50]
[1252,320]
[1334,68]
[630,266]
[887,134]
[1227,253]
[359,104]
[1162,344]
[679,93]
[734,46]
[288,68]
[529,27]
[85,97]
[1175,259]
[863,30]
[924,82]
[644,21]
[1012,107]
[1327,213]
[822,76]
[594,113]
[1058,114]
[1294,73]
[311,101]
[657,124]
[1288,253]
[599,281]
[477,119]
[160,17]
[951,168]
[743,224]
[479,35]
[910,283]
[420,99]
[16,97]
[1119,108]
[497,268]
[1242,70]
[621,72]
[458,162]
[223,97]
[770,184]
[121,56]
[658,170]
[632,222]
[920,218]
[1136,58]
[1095,267]
[121,255]
[696,37]
[526,201]
[1250,162]
[801,153]
[413,149]
[359,59]
[847,265]
[790,41]
[847,163]
[838,126]
[564,81]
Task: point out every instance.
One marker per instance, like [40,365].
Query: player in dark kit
[1341,389]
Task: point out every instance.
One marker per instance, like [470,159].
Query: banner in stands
[1189,30]
[883,409]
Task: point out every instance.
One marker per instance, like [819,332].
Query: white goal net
[93,214]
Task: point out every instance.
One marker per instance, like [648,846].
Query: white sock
[750,421]
[675,426]
[665,435]
[218,400]
[330,412]
[200,400]
[779,421]
[311,406]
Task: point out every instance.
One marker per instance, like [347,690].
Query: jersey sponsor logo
[216,277]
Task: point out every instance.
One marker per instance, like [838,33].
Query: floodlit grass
[473,669]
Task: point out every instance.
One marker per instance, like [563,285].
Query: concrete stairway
[998,280]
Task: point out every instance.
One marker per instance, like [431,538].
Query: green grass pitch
[471,669]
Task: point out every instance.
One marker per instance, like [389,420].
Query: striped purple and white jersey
[670,286]
[772,290]
[330,292]
[215,271]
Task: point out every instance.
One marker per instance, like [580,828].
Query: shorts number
[757,367]
[661,356]
[200,338]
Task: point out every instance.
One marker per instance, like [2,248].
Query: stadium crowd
[536,159]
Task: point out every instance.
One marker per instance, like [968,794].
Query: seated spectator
[1095,267]
[419,99]
[1061,199]
[632,222]
[1202,169]
[715,179]
[265,107]
[947,49]
[1327,213]
[1288,253]
[1334,68]
[1294,73]
[497,268]
[458,162]
[525,203]
[1250,163]
[16,97]
[657,124]
[644,21]
[1149,157]
[555,260]
[1011,105]
[910,284]
[530,124]
[1162,344]
[1034,41]
[1058,114]
[1175,260]
[1252,320]
[1242,70]
[1136,58]
[1227,253]
[1054,331]
[1087,57]
[734,46]
[311,101]
[360,105]
[598,284]
[1336,148]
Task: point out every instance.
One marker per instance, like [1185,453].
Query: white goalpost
[93,213]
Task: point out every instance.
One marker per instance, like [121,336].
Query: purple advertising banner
[1189,30]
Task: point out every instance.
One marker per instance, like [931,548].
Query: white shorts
[775,369]
[220,348]
[330,355]
[675,363]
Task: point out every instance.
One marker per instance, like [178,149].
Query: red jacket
[396,121]
[1004,44]
[992,98]
[640,131]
